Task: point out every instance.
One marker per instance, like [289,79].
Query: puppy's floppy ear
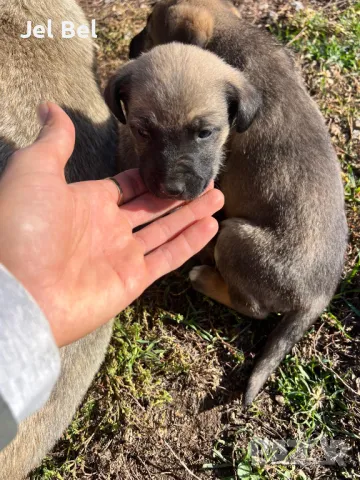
[117,92]
[137,44]
[244,102]
[189,24]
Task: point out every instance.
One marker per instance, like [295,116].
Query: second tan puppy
[282,246]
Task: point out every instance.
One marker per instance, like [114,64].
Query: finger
[166,228]
[53,147]
[173,254]
[147,207]
[130,182]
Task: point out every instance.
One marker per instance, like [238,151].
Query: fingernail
[43,112]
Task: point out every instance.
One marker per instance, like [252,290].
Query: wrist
[34,294]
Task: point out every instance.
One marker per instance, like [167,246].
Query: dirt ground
[167,404]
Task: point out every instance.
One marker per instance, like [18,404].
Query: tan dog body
[282,246]
[60,70]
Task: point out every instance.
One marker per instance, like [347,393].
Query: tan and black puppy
[59,70]
[185,21]
[177,106]
[281,248]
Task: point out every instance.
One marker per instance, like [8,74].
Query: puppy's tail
[289,331]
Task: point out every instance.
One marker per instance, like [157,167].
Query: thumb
[57,137]
[53,147]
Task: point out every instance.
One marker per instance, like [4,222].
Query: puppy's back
[58,70]
[281,179]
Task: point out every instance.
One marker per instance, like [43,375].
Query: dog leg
[207,280]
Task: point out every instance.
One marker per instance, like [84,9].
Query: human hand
[72,247]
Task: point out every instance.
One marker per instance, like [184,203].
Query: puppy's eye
[205,133]
[143,133]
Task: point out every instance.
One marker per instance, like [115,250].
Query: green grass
[244,466]
[328,43]
[314,395]
[325,37]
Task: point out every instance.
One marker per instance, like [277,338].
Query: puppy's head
[190,22]
[180,103]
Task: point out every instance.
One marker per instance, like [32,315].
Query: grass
[137,358]
[246,466]
[325,37]
[178,360]
[314,396]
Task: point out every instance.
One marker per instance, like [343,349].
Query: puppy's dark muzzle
[187,189]
[180,180]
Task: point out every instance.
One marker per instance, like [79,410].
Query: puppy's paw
[209,282]
[201,276]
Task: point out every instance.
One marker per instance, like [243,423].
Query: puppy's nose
[171,189]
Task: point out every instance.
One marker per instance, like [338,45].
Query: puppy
[60,70]
[177,105]
[281,248]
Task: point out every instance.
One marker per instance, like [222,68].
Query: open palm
[74,249]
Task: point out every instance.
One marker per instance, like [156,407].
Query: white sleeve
[29,357]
